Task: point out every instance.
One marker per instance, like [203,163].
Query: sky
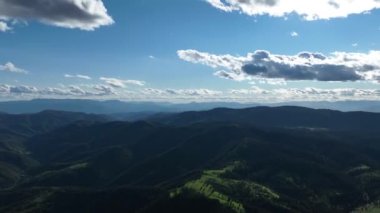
[190,50]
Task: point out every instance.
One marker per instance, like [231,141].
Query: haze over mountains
[261,159]
[117,107]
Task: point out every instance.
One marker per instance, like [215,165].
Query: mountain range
[137,110]
[261,159]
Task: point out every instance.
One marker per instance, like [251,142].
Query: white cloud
[304,94]
[76,91]
[152,57]
[4,27]
[65,91]
[276,82]
[214,61]
[236,76]
[134,82]
[257,94]
[10,67]
[181,92]
[4,89]
[193,92]
[253,94]
[338,66]
[104,89]
[120,83]
[79,76]
[355,44]
[309,10]
[80,14]
[114,82]
[294,34]
[23,89]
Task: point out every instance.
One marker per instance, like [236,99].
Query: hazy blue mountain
[135,110]
[106,107]
[73,105]
[366,106]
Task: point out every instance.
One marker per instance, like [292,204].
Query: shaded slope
[15,159]
[217,163]
[307,170]
[31,124]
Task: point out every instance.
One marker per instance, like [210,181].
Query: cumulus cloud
[120,83]
[114,82]
[10,67]
[65,91]
[181,92]
[276,82]
[77,91]
[79,76]
[258,94]
[304,94]
[135,82]
[338,66]
[4,27]
[309,10]
[253,94]
[80,14]
[22,89]
[104,90]
[237,76]
[215,61]
[294,34]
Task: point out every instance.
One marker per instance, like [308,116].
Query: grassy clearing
[228,192]
[371,208]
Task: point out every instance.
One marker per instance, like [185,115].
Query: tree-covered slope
[226,166]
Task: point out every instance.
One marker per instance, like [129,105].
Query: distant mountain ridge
[126,108]
[30,124]
[281,117]
[107,106]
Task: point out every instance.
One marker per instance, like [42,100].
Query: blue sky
[139,50]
